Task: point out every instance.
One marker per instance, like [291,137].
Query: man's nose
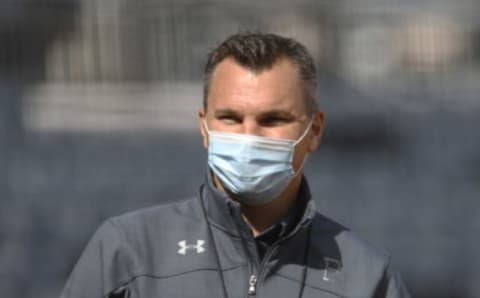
[251,127]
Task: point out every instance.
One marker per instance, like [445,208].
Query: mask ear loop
[297,142]
[307,129]
[206,126]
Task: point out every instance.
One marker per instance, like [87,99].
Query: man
[252,229]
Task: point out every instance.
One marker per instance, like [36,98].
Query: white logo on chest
[183,247]
[332,268]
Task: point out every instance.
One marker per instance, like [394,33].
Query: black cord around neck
[305,261]
[215,249]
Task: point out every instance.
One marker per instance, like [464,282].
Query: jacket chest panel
[200,283]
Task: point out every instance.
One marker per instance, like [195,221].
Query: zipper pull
[252,285]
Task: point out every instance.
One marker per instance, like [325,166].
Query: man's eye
[229,119]
[272,121]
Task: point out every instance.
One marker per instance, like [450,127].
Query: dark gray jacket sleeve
[102,267]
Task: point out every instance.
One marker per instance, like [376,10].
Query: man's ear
[202,118]
[318,124]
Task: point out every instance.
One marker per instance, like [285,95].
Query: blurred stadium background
[98,105]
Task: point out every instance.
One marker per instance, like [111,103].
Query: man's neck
[262,217]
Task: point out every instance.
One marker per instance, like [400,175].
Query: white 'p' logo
[332,268]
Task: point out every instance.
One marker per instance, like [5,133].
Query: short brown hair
[260,51]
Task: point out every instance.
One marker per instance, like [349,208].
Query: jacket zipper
[254,278]
[253,263]
[256,269]
[252,285]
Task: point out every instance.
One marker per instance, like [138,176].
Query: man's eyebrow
[277,113]
[225,112]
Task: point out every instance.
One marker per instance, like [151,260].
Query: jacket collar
[225,213]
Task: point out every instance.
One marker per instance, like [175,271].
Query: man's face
[270,104]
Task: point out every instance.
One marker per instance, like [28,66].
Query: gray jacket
[173,251]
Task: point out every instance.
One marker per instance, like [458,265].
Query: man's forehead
[282,75]
[235,87]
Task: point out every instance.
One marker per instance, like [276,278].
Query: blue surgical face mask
[254,169]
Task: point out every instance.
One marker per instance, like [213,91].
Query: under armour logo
[332,267]
[183,247]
